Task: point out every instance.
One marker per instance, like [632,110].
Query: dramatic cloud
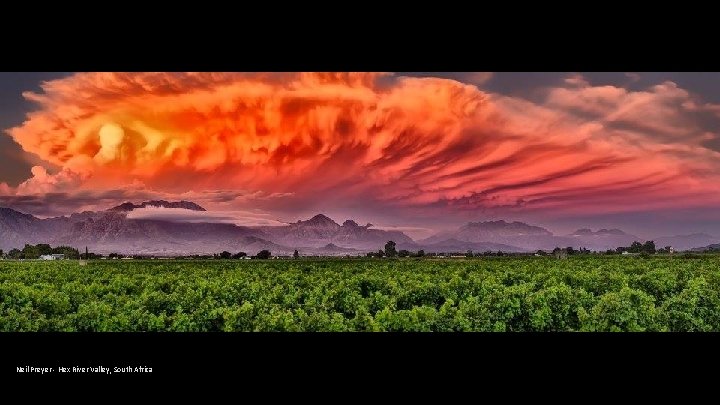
[412,146]
[4,189]
[243,218]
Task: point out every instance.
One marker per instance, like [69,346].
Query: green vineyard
[593,293]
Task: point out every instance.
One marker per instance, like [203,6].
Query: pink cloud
[298,141]
[241,218]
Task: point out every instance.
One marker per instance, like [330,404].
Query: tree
[420,253]
[30,252]
[43,249]
[380,253]
[15,254]
[263,254]
[296,254]
[404,253]
[69,252]
[649,247]
[239,255]
[1,253]
[570,250]
[469,253]
[636,247]
[541,253]
[225,254]
[390,249]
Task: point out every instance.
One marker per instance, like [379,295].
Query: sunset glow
[286,144]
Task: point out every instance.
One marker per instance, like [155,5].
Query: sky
[415,151]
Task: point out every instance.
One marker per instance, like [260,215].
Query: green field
[593,293]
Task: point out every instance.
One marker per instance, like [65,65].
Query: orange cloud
[338,138]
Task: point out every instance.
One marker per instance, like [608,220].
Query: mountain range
[114,230]
[524,237]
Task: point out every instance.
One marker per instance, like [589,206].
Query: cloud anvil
[401,149]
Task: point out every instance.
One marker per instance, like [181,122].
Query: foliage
[636,247]
[390,249]
[69,252]
[264,254]
[582,293]
[30,252]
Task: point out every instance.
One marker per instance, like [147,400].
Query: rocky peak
[11,213]
[188,205]
[319,220]
[350,224]
[504,227]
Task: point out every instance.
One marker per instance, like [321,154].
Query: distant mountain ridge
[509,228]
[113,231]
[686,242]
[188,205]
[320,231]
[523,237]
[454,245]
[601,232]
[714,247]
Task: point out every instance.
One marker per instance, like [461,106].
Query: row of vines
[495,294]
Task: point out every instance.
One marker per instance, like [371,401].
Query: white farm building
[52,257]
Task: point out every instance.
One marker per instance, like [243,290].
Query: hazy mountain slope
[521,236]
[320,231]
[687,242]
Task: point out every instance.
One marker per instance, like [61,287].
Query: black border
[341,358]
[461,41]
[367,38]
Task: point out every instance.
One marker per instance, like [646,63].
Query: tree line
[263,254]
[648,247]
[390,250]
[35,251]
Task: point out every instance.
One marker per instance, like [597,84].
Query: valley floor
[595,293]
